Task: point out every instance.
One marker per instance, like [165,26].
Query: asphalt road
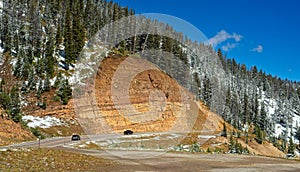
[161,161]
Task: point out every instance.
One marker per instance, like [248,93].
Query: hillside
[62,120]
[40,46]
[205,127]
[10,132]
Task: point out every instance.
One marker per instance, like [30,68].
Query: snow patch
[88,64]
[13,61]
[206,137]
[42,122]
[3,150]
[296,120]
[1,49]
[272,104]
[52,81]
[23,103]
[279,130]
[1,6]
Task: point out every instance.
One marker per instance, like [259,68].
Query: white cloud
[258,49]
[229,46]
[222,36]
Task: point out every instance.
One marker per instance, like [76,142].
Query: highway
[151,160]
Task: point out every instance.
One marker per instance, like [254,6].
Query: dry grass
[11,132]
[63,130]
[50,160]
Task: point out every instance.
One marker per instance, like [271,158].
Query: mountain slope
[205,130]
[10,132]
[40,44]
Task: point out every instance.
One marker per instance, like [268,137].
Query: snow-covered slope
[282,114]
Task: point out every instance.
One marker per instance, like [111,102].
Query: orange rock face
[131,93]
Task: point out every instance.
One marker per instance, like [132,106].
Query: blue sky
[254,32]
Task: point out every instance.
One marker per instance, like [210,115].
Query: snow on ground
[80,144]
[52,81]
[272,104]
[173,136]
[296,123]
[296,120]
[206,137]
[3,150]
[42,122]
[185,148]
[1,6]
[23,103]
[246,128]
[13,61]
[80,75]
[1,54]
[279,130]
[87,65]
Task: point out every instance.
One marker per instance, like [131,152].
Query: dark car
[128,132]
[75,137]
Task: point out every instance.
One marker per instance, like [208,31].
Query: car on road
[289,155]
[128,132]
[75,137]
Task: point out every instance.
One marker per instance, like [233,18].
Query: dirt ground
[205,162]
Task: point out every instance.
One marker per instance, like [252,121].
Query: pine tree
[207,92]
[221,57]
[196,88]
[291,147]
[59,35]
[263,118]
[2,83]
[26,67]
[247,138]
[31,81]
[298,92]
[64,91]
[49,60]
[246,109]
[78,30]
[88,13]
[220,54]
[40,67]
[166,44]
[6,34]
[57,81]
[224,132]
[15,109]
[68,36]
[5,100]
[44,104]
[47,84]
[255,118]
[18,65]
[297,135]
[227,108]
[24,89]
[39,90]
[259,135]
[232,144]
